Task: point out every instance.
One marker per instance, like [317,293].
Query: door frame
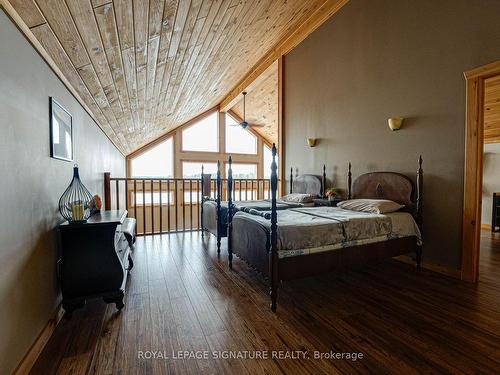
[473,171]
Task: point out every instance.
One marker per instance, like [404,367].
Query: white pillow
[374,206]
[298,198]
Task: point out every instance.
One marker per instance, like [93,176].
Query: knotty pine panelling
[145,67]
[492,110]
[262,104]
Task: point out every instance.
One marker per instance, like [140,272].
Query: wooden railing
[168,205]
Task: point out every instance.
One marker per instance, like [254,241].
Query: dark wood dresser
[95,261]
[495,213]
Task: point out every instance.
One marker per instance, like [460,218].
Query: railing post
[107,191]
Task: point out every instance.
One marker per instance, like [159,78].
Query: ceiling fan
[244,124]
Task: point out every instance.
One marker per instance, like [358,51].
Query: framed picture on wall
[61,132]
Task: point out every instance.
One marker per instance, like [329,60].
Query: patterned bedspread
[307,230]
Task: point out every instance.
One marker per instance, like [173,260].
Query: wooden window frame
[203,157]
[473,170]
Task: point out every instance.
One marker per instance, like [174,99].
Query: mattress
[303,231]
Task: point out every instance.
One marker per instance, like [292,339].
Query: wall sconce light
[395,123]
[311,142]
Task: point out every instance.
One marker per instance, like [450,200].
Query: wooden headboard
[384,185]
[308,183]
[390,185]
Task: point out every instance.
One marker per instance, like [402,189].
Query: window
[243,170]
[238,140]
[202,136]
[139,198]
[243,189]
[268,159]
[155,162]
[192,169]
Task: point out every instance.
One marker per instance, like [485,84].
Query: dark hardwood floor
[182,297]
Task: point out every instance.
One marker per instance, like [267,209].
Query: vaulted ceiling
[492,110]
[144,67]
[262,104]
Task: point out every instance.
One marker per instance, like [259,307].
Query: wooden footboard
[250,242]
[211,216]
[346,258]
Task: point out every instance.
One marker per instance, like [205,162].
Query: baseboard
[34,351]
[486,226]
[448,271]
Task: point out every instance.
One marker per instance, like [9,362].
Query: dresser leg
[69,307]
[119,304]
[117,300]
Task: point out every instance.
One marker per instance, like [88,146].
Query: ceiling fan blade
[257,125]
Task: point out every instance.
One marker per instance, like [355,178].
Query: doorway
[490,218]
[476,82]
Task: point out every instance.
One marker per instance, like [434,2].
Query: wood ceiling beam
[316,19]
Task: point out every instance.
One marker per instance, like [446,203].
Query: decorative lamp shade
[76,201]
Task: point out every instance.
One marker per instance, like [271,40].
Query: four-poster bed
[310,241]
[214,211]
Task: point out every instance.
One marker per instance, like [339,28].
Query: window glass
[192,169]
[139,198]
[202,136]
[238,140]
[243,170]
[155,162]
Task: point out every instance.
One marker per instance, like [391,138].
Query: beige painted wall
[491,178]
[31,183]
[378,59]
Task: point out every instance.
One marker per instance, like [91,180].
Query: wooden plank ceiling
[492,110]
[262,104]
[144,67]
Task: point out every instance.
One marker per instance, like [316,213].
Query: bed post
[420,188]
[202,201]
[323,182]
[273,254]
[349,182]
[230,213]
[291,179]
[218,207]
